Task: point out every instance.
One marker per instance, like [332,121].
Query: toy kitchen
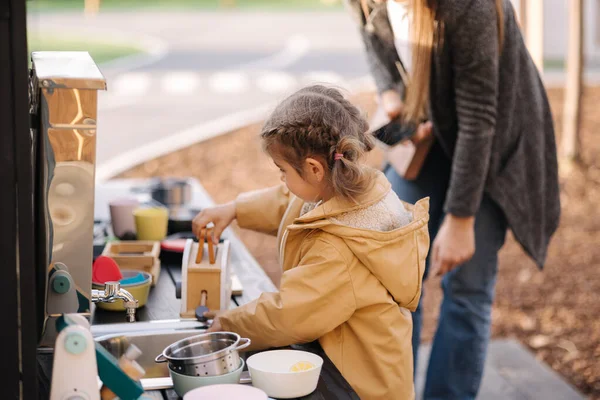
[126,283]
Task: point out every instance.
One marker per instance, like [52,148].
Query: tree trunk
[91,7]
[534,30]
[523,16]
[572,109]
[227,3]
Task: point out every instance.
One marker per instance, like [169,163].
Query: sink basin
[151,338]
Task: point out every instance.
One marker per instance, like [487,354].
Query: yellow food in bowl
[302,366]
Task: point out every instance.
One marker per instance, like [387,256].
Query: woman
[493,164]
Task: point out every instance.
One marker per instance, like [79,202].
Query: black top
[490,113]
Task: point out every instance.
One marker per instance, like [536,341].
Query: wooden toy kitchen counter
[206,275]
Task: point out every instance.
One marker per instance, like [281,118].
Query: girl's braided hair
[318,122]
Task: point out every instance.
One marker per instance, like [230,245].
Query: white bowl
[227,392]
[270,372]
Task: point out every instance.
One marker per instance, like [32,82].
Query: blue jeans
[459,347]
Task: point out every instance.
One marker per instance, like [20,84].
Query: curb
[181,140]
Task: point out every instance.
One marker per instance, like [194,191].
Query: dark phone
[395,132]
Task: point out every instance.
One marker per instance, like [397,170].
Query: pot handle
[243,346]
[160,358]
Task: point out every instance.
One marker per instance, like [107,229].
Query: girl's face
[312,186]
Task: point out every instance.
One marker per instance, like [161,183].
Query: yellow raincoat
[350,288]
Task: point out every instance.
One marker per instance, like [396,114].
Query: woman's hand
[221,216]
[424,132]
[393,106]
[392,103]
[454,244]
[216,325]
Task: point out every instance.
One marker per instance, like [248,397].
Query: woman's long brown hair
[425,36]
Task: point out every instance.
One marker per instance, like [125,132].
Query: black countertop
[162,303]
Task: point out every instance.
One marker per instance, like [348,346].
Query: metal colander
[208,354]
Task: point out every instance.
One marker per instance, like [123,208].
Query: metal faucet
[112,291]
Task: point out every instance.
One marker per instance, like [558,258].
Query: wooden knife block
[215,279]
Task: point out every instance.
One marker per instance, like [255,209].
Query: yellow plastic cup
[151,223]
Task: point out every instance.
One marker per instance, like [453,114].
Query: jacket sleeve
[262,210]
[378,39]
[315,297]
[473,42]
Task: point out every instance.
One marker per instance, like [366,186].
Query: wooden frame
[18,287]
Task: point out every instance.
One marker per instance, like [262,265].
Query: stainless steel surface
[157,384]
[149,342]
[113,291]
[209,354]
[74,69]
[164,326]
[245,378]
[64,100]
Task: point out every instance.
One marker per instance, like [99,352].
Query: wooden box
[137,255]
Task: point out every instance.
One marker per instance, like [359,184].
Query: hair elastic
[338,156]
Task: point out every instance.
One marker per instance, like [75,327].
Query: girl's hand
[221,216]
[392,103]
[216,325]
[454,244]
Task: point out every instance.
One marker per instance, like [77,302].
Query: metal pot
[180,218]
[208,354]
[171,191]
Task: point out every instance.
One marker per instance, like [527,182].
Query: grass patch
[554,63]
[58,5]
[100,51]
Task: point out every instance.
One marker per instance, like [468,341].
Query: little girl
[352,255]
